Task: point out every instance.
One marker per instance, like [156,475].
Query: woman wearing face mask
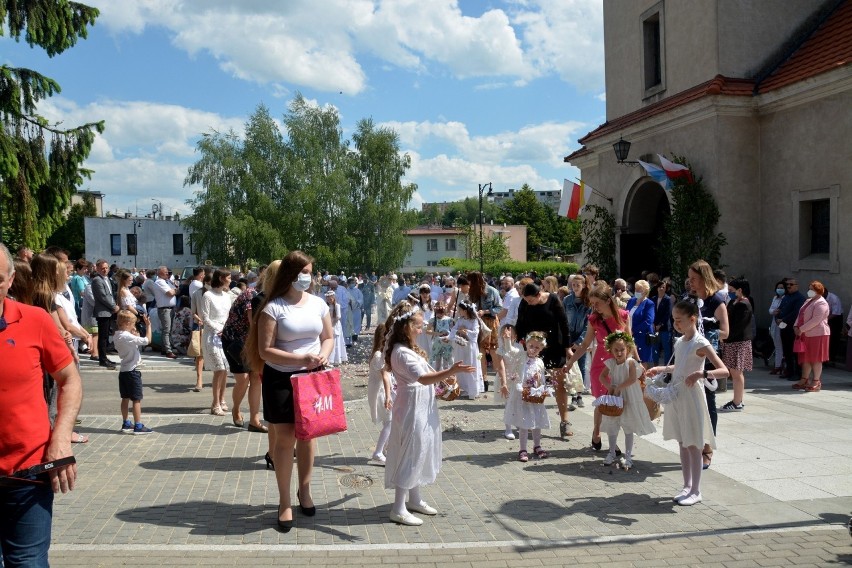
[291,332]
[642,311]
[774,330]
[737,354]
[812,328]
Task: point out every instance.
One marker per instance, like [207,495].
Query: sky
[479,91]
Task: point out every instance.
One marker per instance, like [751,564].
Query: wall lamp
[622,149]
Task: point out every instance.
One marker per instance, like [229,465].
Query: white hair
[9,259]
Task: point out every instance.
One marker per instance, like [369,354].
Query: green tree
[379,199]
[599,240]
[466,212]
[40,163]
[691,228]
[525,209]
[72,234]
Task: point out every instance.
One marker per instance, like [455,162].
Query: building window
[431,263]
[653,50]
[177,243]
[115,245]
[431,244]
[131,244]
[193,247]
[449,244]
[815,229]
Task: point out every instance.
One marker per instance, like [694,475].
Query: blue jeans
[26,513]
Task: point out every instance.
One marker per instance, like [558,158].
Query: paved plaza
[197,493]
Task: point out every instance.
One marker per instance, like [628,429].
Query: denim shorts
[130,385]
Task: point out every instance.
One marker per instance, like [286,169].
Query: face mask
[638,295]
[302,282]
[811,294]
[779,291]
[732,295]
[448,288]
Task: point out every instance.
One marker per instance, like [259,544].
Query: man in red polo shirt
[30,345]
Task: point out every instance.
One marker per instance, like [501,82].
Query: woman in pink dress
[606,318]
[812,327]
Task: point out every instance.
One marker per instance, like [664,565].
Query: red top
[29,346]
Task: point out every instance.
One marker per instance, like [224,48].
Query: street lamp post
[482,187]
[136,224]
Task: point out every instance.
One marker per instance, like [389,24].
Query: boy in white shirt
[127,342]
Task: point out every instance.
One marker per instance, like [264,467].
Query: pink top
[813,318]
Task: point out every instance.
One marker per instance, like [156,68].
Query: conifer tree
[40,163]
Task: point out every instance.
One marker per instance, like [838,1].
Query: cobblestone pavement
[196,493]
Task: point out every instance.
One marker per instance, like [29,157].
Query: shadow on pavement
[206,464]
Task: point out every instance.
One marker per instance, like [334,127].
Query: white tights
[384,436]
[691,464]
[628,444]
[399,499]
[523,433]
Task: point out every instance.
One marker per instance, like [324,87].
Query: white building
[429,245]
[139,242]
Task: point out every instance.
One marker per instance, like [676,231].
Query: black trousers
[791,364]
[103,338]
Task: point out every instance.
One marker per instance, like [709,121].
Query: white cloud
[320,45]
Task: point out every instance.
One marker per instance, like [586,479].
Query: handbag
[318,404]
[799,345]
[194,347]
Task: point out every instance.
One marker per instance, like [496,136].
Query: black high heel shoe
[307,511]
[269,463]
[596,446]
[283,526]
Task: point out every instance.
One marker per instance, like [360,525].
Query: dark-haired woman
[542,311]
[215,305]
[291,332]
[737,354]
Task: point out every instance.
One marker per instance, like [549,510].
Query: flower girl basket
[609,405]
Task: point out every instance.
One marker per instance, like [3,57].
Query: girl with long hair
[291,332]
[414,448]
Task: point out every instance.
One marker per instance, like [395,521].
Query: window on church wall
[817,216]
[653,51]
[815,229]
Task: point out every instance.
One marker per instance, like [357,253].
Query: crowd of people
[629,346]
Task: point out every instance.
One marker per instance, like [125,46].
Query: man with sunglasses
[30,345]
[788,311]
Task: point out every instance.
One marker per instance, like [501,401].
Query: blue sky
[479,91]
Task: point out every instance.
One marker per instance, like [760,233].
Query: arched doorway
[643,229]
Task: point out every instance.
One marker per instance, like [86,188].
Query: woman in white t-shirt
[291,333]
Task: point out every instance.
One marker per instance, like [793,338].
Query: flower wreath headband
[537,336]
[405,316]
[618,335]
[467,306]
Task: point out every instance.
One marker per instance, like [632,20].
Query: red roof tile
[829,47]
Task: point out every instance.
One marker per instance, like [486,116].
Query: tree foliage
[40,163]
[547,233]
[691,228]
[72,234]
[302,188]
[599,240]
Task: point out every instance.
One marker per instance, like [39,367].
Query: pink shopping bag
[318,402]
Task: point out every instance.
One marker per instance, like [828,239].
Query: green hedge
[543,267]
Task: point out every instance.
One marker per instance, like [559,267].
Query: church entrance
[643,229]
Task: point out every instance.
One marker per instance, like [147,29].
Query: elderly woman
[620,293]
[642,311]
[812,329]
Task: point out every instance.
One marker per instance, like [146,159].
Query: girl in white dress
[414,449]
[338,354]
[620,377]
[687,419]
[442,349]
[424,302]
[464,337]
[526,369]
[380,391]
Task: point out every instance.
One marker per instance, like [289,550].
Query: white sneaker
[508,435]
[377,459]
[682,495]
[609,459]
[690,500]
[423,508]
[406,519]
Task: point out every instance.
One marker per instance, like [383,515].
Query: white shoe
[609,459]
[378,460]
[508,435]
[423,508]
[682,495]
[690,500]
[406,519]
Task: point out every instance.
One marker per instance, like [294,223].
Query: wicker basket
[448,389]
[527,397]
[608,405]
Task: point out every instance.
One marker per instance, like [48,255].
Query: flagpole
[595,190]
